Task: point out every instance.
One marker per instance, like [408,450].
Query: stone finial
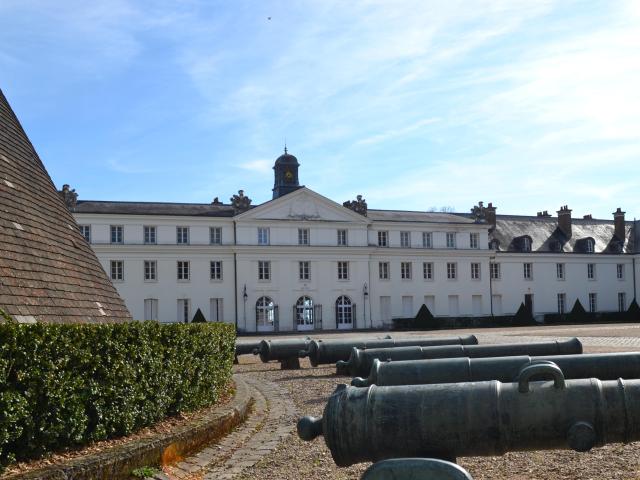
[240,202]
[216,201]
[359,205]
[479,213]
[69,196]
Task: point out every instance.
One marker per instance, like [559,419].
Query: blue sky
[413,104]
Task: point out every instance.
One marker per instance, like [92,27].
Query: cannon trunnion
[361,361]
[453,420]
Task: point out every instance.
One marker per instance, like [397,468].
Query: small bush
[67,385]
[523,317]
[199,317]
[425,320]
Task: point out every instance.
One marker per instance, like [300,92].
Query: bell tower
[285,174]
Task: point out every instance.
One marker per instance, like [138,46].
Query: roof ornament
[216,201]
[240,202]
[359,205]
[69,196]
[479,213]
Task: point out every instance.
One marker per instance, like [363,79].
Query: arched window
[265,313]
[344,312]
[304,312]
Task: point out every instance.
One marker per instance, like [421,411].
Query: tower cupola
[285,174]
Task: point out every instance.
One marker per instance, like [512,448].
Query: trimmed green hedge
[67,385]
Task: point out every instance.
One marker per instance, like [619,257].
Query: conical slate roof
[48,272]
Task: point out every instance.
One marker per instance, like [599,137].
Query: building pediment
[302,205]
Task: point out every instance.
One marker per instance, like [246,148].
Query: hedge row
[67,385]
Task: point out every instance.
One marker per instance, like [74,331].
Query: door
[407,307]
[385,310]
[430,302]
[303,311]
[454,307]
[216,310]
[345,311]
[265,315]
[497,304]
[151,309]
[476,304]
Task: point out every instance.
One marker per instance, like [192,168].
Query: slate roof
[154,208]
[48,272]
[413,216]
[547,237]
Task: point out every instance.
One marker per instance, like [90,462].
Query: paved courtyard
[267,446]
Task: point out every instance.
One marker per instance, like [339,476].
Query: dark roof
[154,208]
[287,159]
[414,216]
[547,237]
[48,272]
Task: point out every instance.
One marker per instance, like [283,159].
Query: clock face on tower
[288,176]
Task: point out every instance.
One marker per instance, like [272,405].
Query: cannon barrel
[453,420]
[281,350]
[361,361]
[604,366]
[415,469]
[322,352]
[246,348]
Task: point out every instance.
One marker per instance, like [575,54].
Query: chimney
[490,215]
[587,217]
[618,223]
[564,221]
[544,214]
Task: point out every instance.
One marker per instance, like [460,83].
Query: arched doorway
[345,312]
[265,314]
[304,313]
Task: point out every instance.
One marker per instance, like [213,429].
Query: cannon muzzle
[309,428]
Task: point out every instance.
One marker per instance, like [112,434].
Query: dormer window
[589,245]
[526,244]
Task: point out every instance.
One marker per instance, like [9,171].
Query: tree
[199,317]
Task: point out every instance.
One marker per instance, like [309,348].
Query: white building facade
[303,262]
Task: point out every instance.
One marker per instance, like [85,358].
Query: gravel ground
[311,387]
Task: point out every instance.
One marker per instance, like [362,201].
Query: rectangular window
[150,268]
[427,240]
[562,303]
[405,239]
[383,270]
[475,271]
[560,271]
[149,235]
[528,271]
[263,236]
[343,270]
[215,235]
[405,270]
[620,271]
[116,233]
[383,239]
[495,271]
[303,236]
[452,270]
[342,238]
[216,305]
[183,270]
[451,240]
[85,231]
[215,270]
[427,270]
[117,270]
[622,302]
[591,271]
[304,271]
[474,240]
[264,270]
[151,309]
[184,310]
[593,302]
[182,235]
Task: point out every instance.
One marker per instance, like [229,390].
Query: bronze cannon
[283,350]
[604,366]
[245,348]
[322,352]
[453,420]
[361,361]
